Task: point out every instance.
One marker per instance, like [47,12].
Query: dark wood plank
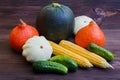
[11,11]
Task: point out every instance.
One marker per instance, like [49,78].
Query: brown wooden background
[12,10]
[14,67]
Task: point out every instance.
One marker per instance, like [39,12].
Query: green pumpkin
[55,22]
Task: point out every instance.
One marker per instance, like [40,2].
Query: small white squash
[37,48]
[80,22]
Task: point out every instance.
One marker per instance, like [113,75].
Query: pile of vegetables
[48,49]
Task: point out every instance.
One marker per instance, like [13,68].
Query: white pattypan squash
[37,48]
[80,22]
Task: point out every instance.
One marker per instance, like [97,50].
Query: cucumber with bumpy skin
[106,54]
[49,67]
[68,62]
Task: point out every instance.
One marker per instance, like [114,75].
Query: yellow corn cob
[92,57]
[58,50]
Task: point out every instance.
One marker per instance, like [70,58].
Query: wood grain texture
[12,10]
[13,65]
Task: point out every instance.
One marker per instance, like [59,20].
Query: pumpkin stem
[22,25]
[21,21]
[56,5]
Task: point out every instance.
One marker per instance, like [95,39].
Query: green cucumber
[106,54]
[49,67]
[68,62]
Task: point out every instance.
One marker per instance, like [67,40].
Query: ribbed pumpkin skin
[55,23]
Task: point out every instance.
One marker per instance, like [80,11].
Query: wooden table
[13,65]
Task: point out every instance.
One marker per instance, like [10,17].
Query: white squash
[80,22]
[37,48]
